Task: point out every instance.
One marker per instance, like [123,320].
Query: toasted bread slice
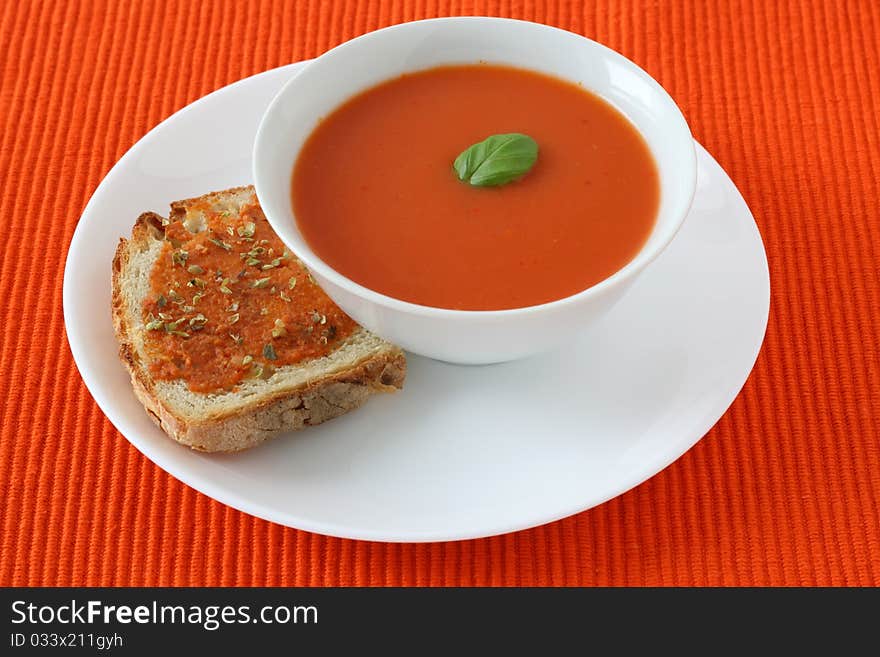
[306,393]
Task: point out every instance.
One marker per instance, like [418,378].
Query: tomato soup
[376,197]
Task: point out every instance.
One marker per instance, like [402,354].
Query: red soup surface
[376,197]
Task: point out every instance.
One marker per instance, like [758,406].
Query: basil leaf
[497,160]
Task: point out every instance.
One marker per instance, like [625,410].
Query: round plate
[461,452]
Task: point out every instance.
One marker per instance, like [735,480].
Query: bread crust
[270,413]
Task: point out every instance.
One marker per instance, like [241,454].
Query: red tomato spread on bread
[228,302]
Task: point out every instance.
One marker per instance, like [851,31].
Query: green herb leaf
[497,160]
[280,329]
[223,245]
[171,327]
[179,257]
[198,322]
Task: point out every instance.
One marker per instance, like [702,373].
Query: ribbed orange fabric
[785,490]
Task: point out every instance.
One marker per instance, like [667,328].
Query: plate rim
[225,496]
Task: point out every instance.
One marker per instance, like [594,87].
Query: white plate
[462,452]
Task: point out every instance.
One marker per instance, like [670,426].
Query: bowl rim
[627,272]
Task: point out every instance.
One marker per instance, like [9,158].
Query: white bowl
[463,336]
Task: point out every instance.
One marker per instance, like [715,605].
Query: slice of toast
[256,409]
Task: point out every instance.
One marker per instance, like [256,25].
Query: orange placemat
[783,491]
